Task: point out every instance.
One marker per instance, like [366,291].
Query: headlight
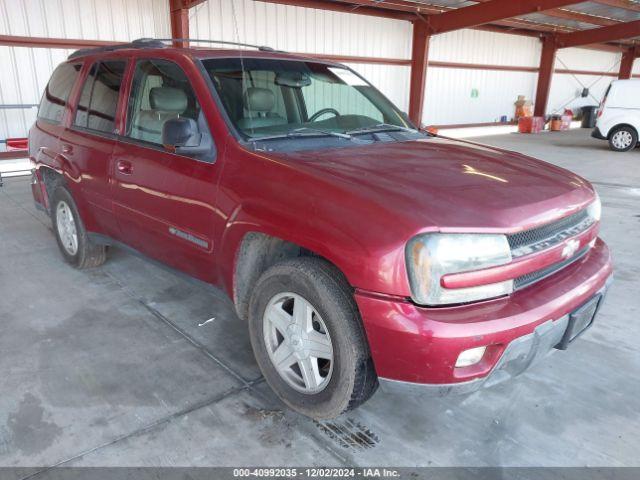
[430,256]
[595,209]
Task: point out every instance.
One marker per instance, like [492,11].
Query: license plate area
[579,321]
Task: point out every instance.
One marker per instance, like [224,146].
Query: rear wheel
[308,339]
[75,246]
[623,138]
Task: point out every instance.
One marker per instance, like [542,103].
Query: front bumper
[521,354]
[597,134]
[415,349]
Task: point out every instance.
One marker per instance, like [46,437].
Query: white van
[619,115]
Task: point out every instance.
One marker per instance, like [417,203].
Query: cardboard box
[530,124]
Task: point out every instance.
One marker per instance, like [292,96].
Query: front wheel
[308,339]
[623,138]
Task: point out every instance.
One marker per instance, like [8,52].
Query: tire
[623,138]
[349,377]
[84,253]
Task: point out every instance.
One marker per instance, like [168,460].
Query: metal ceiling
[575,17]
[606,11]
[570,25]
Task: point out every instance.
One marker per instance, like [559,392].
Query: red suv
[361,250]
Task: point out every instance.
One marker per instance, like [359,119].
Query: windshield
[268,99]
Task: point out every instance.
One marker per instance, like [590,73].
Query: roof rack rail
[162,43]
[262,48]
[138,43]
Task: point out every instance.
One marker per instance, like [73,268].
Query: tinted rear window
[99,99]
[56,94]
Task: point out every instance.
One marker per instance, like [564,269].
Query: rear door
[88,142]
[165,202]
[44,136]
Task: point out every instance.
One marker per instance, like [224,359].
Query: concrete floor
[108,367]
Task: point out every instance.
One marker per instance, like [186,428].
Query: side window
[56,94]
[99,98]
[160,92]
[82,110]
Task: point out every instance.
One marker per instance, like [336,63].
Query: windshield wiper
[380,127]
[303,132]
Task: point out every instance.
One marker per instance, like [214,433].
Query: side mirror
[181,135]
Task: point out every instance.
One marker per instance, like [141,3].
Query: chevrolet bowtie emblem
[570,248]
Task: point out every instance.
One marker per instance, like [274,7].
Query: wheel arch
[618,125]
[255,253]
[51,178]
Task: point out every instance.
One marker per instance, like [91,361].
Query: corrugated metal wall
[459,95]
[306,30]
[454,95]
[24,72]
[566,88]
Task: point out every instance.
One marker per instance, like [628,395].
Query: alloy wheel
[622,139]
[298,343]
[67,228]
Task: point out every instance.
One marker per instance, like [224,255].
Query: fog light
[470,357]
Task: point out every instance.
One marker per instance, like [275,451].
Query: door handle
[124,167]
[66,148]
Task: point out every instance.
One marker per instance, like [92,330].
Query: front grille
[533,277]
[546,236]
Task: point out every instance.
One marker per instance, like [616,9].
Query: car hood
[450,185]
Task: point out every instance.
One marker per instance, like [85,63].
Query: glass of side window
[56,94]
[163,111]
[98,102]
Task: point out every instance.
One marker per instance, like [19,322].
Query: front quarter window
[161,93]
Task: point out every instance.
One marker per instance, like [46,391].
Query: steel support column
[545,73]
[179,12]
[419,59]
[179,21]
[626,65]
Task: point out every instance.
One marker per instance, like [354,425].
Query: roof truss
[505,15]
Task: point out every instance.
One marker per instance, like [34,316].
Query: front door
[165,202]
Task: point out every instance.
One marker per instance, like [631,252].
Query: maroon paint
[545,75]
[418,77]
[357,207]
[626,63]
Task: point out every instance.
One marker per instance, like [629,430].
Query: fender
[365,242]
[252,218]
[47,158]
